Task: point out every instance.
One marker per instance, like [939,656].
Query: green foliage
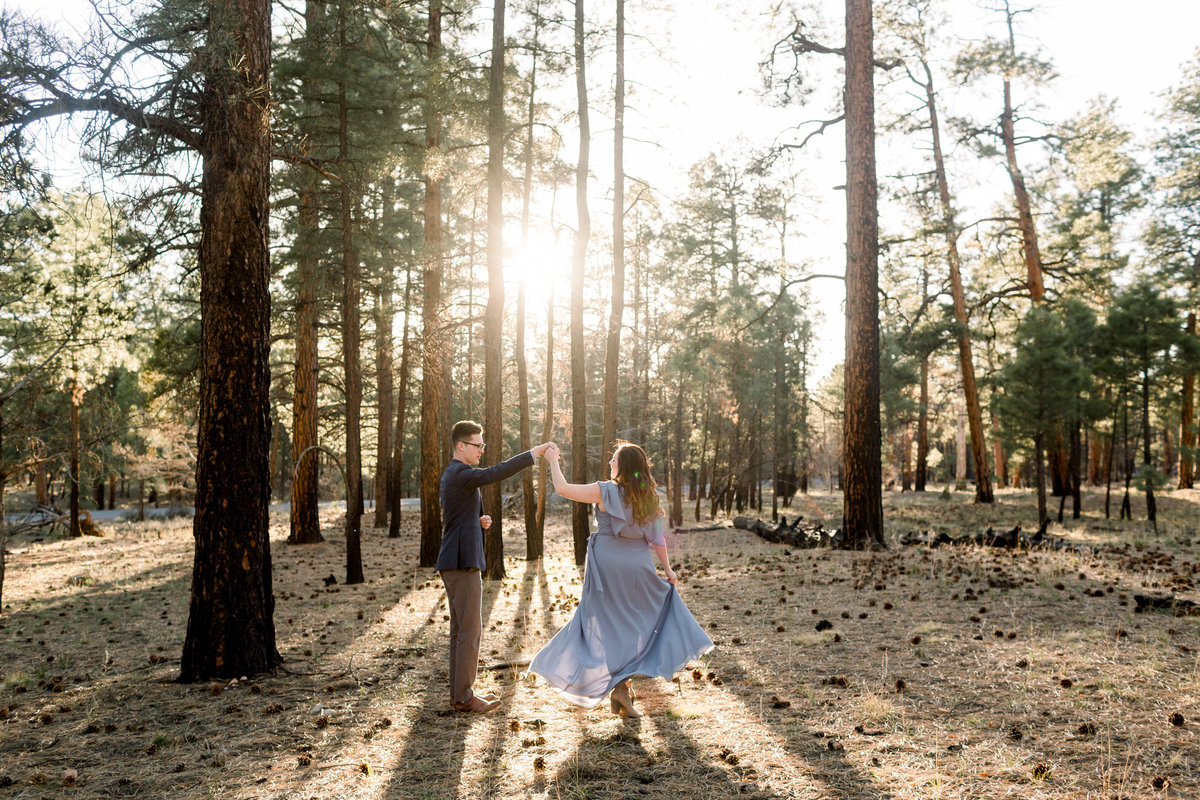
[1039,387]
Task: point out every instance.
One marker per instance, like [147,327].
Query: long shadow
[826,760]
[618,764]
[431,762]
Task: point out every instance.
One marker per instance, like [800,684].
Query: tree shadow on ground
[430,763]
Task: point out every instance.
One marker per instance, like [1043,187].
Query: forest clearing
[332,256]
[956,672]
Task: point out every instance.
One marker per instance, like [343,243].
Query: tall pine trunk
[612,353]
[433,350]
[385,399]
[534,542]
[73,473]
[533,549]
[579,511]
[922,428]
[966,361]
[862,473]
[1039,477]
[350,330]
[1147,464]
[397,470]
[231,628]
[1187,419]
[494,315]
[305,520]
[384,377]
[676,464]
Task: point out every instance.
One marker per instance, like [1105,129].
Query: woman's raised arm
[579,492]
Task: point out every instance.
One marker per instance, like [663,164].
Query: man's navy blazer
[462,506]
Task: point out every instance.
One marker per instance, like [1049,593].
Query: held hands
[541,450]
[485,522]
[552,453]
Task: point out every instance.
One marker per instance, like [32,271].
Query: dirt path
[961,673]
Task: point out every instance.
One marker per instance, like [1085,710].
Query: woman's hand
[671,577]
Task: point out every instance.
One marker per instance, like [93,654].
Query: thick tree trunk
[863,498]
[231,628]
[612,353]
[350,332]
[966,361]
[494,315]
[1187,419]
[433,352]
[579,511]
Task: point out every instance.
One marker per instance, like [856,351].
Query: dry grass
[1016,680]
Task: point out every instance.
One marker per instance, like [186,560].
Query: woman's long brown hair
[633,474]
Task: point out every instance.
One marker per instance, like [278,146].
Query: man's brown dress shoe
[477,705]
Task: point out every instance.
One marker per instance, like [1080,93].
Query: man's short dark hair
[463,430]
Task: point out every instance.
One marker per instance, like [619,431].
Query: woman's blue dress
[629,620]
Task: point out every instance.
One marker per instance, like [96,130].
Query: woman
[629,621]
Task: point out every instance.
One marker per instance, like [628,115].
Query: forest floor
[956,672]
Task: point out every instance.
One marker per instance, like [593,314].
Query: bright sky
[700,93]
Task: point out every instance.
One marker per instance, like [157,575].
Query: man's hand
[539,450]
[485,522]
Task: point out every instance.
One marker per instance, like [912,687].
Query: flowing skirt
[629,622]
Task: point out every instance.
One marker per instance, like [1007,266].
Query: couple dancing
[628,622]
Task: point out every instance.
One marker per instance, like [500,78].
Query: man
[461,561]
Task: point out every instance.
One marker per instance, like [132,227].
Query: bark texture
[579,511]
[351,335]
[231,628]
[305,522]
[862,471]
[493,545]
[433,351]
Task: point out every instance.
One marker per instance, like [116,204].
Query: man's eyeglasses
[480,445]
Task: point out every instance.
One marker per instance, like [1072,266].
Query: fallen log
[1010,539]
[793,535]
